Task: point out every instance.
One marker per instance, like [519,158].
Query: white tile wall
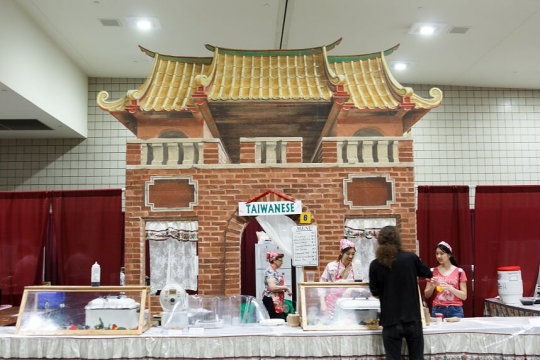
[66,164]
[477,136]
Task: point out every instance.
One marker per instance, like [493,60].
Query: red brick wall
[221,189]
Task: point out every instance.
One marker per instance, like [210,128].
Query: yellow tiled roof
[304,74]
[258,77]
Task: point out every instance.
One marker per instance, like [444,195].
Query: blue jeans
[448,311]
[413,334]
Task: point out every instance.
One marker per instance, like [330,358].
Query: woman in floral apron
[274,287]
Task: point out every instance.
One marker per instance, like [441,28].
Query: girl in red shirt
[449,282]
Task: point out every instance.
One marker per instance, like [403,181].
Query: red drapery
[248,272]
[23,225]
[507,233]
[88,227]
[444,215]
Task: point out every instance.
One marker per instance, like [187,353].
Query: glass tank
[83,310]
[223,311]
[338,306]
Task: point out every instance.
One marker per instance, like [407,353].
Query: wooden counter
[495,307]
[8,316]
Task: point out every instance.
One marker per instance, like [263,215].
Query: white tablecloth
[473,338]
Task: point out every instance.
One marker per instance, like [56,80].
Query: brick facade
[220,187]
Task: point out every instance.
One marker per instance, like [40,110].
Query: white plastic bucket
[510,284]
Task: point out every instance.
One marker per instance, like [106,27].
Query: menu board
[305,246]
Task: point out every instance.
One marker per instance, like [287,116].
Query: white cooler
[360,310]
[113,310]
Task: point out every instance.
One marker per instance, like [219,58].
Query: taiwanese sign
[269,208]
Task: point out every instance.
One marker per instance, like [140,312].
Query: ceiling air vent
[110,22]
[459,30]
[22,124]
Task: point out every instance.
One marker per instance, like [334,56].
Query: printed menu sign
[305,246]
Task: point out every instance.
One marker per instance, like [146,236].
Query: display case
[84,310]
[338,306]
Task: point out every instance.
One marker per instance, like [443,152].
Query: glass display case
[338,306]
[84,310]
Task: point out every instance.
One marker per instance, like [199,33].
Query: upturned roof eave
[274,52]
[187,59]
[404,96]
[374,55]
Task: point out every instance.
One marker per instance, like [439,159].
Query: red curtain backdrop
[444,215]
[23,226]
[88,227]
[507,233]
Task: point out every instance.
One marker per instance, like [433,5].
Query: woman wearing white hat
[449,283]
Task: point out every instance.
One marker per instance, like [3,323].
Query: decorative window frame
[350,180]
[363,232]
[152,181]
[184,259]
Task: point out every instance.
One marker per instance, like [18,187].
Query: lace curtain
[363,232]
[173,253]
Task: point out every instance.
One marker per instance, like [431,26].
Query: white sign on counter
[305,246]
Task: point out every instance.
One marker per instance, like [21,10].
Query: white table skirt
[472,338]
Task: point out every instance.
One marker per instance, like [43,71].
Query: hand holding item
[438,285]
[442,286]
[289,291]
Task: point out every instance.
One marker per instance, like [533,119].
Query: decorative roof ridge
[206,79]
[275,52]
[187,59]
[405,91]
[141,90]
[378,54]
[131,95]
[332,77]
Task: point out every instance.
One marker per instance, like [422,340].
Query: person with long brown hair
[393,278]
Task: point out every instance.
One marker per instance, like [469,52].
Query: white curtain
[279,229]
[173,253]
[364,232]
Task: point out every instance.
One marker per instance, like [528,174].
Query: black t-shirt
[397,288]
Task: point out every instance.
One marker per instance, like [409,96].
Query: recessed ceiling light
[400,65]
[143,23]
[427,29]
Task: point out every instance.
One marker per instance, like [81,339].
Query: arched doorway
[250,274]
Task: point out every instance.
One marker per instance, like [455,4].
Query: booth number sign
[305,218]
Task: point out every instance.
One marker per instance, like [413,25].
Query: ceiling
[484,43]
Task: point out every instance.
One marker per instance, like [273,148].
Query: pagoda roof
[308,74]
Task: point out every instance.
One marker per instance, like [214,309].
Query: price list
[305,246]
